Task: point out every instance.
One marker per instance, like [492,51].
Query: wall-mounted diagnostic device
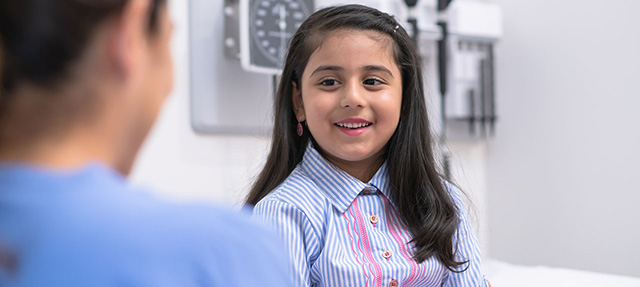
[467,66]
[266,26]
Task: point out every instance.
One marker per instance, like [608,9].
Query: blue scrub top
[88,227]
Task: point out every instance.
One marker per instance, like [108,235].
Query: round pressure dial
[271,24]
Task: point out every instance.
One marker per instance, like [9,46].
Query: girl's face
[350,97]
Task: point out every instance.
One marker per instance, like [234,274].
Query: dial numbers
[273,23]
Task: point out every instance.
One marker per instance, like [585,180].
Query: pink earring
[299,129]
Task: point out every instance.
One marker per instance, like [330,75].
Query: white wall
[563,170]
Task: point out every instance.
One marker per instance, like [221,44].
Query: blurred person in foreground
[82,82]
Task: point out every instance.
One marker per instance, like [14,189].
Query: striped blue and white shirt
[341,231]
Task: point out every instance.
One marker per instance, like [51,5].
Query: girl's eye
[329,82]
[372,82]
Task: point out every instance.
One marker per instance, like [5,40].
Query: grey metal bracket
[231,12]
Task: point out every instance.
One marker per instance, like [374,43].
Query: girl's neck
[363,170]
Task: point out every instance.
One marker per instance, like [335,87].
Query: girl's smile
[353,126]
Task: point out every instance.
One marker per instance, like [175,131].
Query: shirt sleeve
[467,250]
[295,229]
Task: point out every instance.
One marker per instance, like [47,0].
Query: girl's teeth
[352,125]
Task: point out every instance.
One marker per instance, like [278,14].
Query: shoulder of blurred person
[89,227]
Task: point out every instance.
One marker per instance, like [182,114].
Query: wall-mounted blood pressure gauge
[266,26]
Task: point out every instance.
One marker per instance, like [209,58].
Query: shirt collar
[338,186]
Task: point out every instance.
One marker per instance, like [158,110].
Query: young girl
[350,183]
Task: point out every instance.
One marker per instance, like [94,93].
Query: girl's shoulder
[461,200]
[297,195]
[453,190]
[298,190]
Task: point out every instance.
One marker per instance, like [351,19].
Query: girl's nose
[353,95]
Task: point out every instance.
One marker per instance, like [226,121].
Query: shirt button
[386,254]
[373,219]
[369,190]
[393,283]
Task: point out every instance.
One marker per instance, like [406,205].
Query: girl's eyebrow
[327,68]
[365,68]
[377,68]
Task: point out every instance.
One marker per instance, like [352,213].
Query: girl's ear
[298,105]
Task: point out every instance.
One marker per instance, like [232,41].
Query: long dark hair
[424,204]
